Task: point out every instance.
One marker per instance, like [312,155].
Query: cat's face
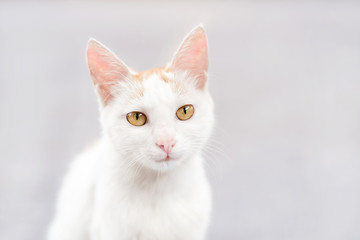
[158,118]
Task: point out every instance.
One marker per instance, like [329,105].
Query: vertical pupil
[184,108]
[137,116]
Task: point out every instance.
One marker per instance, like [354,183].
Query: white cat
[144,179]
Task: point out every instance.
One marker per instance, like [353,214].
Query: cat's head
[157,118]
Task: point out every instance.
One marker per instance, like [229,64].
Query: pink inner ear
[198,51]
[192,56]
[105,68]
[97,64]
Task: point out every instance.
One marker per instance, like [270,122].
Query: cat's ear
[192,56]
[105,68]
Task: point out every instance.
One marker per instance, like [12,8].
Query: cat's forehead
[161,85]
[156,90]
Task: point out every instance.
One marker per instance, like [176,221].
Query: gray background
[285,77]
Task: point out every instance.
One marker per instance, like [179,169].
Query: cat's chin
[164,164]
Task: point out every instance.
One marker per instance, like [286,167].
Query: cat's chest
[156,215]
[158,206]
[168,217]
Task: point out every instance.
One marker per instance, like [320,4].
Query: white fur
[118,191]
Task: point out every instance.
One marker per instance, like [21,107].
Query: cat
[144,179]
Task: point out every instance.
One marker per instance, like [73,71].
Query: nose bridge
[164,128]
[165,138]
[164,132]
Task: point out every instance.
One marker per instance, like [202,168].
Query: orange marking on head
[165,78]
[144,74]
[176,86]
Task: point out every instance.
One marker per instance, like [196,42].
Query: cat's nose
[166,145]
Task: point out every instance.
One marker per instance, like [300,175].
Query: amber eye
[185,112]
[136,118]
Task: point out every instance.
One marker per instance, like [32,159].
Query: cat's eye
[136,118]
[185,112]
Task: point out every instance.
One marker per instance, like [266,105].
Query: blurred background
[285,76]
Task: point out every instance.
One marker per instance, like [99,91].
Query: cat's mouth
[166,159]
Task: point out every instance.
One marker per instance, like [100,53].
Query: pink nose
[166,145]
